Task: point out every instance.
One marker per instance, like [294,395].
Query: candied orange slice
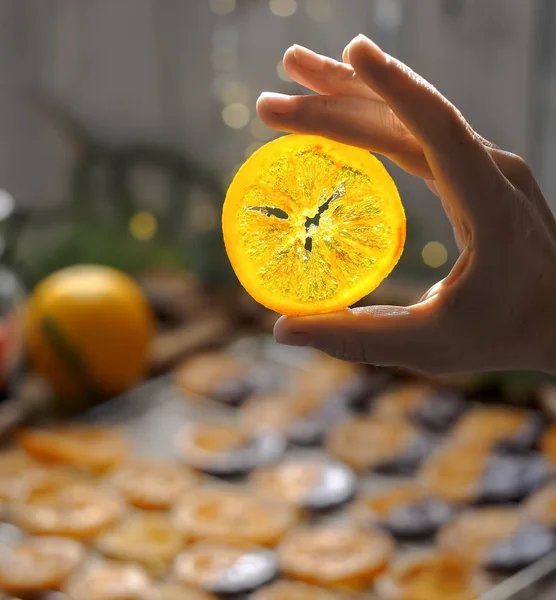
[224,567]
[294,590]
[475,531]
[149,539]
[372,508]
[454,472]
[541,506]
[490,425]
[307,483]
[18,473]
[401,401]
[73,509]
[335,556]
[203,373]
[175,591]
[86,447]
[226,448]
[234,515]
[291,481]
[110,581]
[311,225]
[153,485]
[39,564]
[432,576]
[548,445]
[365,442]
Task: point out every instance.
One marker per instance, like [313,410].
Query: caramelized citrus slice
[369,508]
[153,485]
[548,445]
[175,591]
[73,509]
[406,511]
[87,447]
[39,564]
[18,473]
[110,582]
[473,533]
[294,590]
[278,412]
[235,515]
[227,448]
[454,472]
[432,576]
[313,484]
[490,425]
[321,377]
[311,225]
[401,401]
[203,373]
[541,506]
[224,567]
[364,442]
[149,539]
[334,556]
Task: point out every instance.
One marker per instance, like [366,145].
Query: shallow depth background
[122,121]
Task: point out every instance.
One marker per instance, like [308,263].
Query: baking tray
[152,414]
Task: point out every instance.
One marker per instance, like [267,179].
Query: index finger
[461,165]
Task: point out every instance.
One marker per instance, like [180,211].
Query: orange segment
[311,225]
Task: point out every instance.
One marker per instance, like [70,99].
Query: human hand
[496,308]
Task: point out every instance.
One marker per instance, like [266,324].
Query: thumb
[380,335]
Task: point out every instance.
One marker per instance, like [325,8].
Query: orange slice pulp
[311,225]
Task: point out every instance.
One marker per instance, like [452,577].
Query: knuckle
[454,125]
[519,169]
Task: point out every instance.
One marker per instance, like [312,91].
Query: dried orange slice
[310,484]
[366,443]
[454,472]
[547,445]
[540,507]
[225,568]
[473,533]
[39,564]
[87,447]
[335,556]
[294,590]
[226,448]
[235,515]
[402,400]
[176,591]
[493,425]
[72,509]
[204,373]
[149,539]
[18,473]
[312,226]
[432,576]
[406,510]
[110,581]
[153,485]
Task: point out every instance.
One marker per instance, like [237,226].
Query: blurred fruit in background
[87,330]
[11,300]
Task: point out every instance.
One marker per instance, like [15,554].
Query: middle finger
[325,75]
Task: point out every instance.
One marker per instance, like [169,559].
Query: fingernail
[279,104]
[378,55]
[293,338]
[307,59]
